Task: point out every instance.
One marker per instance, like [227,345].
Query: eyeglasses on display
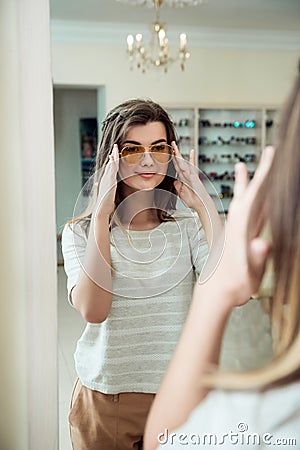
[161,152]
[250,140]
[235,124]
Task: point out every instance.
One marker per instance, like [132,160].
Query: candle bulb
[138,39]
[182,41]
[130,41]
[166,47]
[161,37]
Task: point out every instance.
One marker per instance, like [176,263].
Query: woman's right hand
[242,265]
[95,280]
[108,185]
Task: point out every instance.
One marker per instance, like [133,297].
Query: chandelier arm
[157,4]
[170,3]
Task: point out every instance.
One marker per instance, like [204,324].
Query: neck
[138,210]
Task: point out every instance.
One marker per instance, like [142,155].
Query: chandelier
[157,52]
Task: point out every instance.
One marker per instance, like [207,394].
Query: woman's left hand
[189,187]
[192,192]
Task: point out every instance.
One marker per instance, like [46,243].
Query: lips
[146,174]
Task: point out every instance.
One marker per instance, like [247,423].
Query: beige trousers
[107,422]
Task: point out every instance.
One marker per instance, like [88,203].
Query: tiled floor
[70,326]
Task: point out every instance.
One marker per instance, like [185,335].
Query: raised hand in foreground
[236,277]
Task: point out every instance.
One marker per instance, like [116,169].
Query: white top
[241,420]
[153,280]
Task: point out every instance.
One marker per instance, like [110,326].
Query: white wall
[70,105]
[28,331]
[212,75]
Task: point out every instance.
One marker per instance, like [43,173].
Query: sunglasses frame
[153,154]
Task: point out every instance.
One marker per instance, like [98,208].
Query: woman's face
[147,172]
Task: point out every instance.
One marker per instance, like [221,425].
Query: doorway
[72,107]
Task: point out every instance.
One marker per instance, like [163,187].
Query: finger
[263,166]
[176,149]
[259,250]
[177,166]
[114,157]
[258,226]
[178,156]
[178,186]
[181,165]
[115,153]
[261,172]
[192,157]
[241,180]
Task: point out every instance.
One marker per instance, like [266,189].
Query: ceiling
[265,15]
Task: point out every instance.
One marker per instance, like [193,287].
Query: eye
[131,149]
[159,147]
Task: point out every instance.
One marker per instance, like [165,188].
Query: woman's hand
[95,280]
[189,188]
[108,185]
[192,192]
[242,265]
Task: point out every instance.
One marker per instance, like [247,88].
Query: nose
[147,159]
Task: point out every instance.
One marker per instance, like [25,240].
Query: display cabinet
[221,137]
[186,125]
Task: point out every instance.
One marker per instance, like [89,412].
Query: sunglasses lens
[160,152]
[132,153]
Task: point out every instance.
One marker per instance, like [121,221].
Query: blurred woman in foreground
[196,404]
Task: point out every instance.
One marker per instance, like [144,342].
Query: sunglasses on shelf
[161,153]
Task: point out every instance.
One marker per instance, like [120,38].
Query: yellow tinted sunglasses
[161,152]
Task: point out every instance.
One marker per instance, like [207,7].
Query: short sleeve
[74,243]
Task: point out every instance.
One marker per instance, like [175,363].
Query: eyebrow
[138,143]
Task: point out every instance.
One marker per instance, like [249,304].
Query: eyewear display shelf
[222,137]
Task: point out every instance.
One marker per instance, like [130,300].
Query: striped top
[153,279]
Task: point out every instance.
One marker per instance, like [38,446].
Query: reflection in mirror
[247,341]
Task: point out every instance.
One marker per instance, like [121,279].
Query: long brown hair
[114,128]
[279,198]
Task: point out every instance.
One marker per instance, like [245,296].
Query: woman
[260,408]
[131,261]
